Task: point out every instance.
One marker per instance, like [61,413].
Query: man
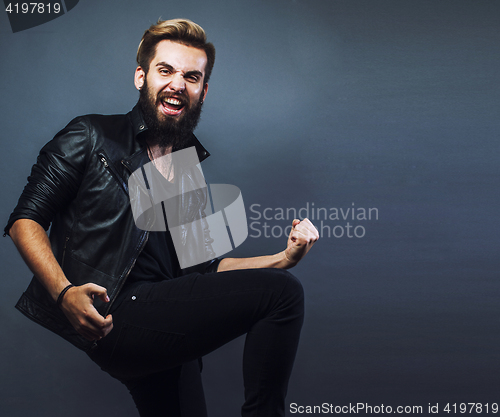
[116,291]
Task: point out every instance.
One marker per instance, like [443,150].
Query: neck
[161,157]
[156,151]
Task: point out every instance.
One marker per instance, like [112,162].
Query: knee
[294,286]
[291,290]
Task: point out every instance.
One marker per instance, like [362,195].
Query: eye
[193,78]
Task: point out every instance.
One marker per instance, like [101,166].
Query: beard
[166,130]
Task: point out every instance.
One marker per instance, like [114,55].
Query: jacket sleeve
[56,176]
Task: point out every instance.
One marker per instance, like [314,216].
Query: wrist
[285,261]
[62,293]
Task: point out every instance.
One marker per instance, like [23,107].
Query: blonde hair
[183,31]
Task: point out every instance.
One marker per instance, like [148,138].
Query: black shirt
[157,261]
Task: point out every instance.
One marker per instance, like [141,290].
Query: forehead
[179,56]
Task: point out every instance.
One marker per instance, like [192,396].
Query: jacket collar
[139,126]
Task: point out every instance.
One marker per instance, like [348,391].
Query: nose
[177,83]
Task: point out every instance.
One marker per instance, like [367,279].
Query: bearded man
[116,291]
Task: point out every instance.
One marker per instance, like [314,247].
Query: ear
[204,92]
[139,77]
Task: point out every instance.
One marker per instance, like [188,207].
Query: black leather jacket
[79,187]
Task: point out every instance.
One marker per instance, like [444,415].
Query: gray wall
[385,104]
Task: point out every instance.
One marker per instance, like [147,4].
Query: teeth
[173,101]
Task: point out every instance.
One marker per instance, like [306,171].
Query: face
[173,89]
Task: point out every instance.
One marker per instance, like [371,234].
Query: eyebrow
[186,74]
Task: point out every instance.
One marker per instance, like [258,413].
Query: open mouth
[172,106]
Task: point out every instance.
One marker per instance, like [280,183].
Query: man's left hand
[302,237]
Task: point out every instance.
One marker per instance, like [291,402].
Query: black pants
[162,328]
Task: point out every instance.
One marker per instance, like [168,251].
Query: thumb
[101,292]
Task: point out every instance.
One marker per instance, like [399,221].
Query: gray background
[386,104]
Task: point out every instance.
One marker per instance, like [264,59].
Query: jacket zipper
[112,170]
[145,237]
[127,273]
